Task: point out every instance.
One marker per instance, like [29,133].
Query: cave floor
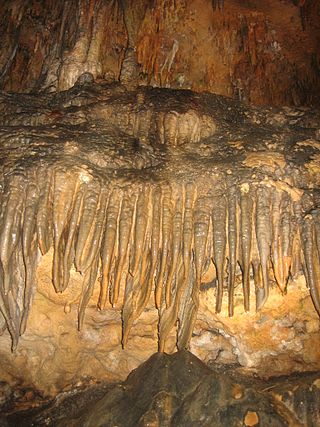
[174,390]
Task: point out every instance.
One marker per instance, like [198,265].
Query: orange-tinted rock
[251,419]
[53,355]
[263,52]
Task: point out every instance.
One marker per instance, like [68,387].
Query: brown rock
[251,419]
[262,53]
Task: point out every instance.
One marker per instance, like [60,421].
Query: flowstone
[150,195]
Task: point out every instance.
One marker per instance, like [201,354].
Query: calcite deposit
[140,202]
[259,52]
[143,210]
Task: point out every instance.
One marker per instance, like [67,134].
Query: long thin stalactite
[150,240]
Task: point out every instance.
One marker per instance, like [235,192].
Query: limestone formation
[263,53]
[142,199]
[145,203]
[179,390]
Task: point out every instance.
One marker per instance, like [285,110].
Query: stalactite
[125,227]
[217,4]
[166,225]
[296,264]
[263,233]
[109,246]
[150,237]
[311,259]
[65,187]
[155,240]
[233,241]
[136,289]
[70,242]
[219,218]
[11,223]
[176,244]
[246,241]
[140,229]
[44,214]
[29,248]
[200,230]
[87,226]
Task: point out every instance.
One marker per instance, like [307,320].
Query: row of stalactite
[150,239]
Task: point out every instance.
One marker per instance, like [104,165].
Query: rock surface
[180,390]
[137,218]
[259,52]
[97,138]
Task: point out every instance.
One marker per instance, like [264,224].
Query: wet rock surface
[169,207]
[179,389]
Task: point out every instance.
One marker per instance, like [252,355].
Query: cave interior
[159,213]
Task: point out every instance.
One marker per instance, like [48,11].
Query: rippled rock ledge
[144,219]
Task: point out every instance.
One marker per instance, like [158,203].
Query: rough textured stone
[162,208]
[260,52]
[180,390]
[147,133]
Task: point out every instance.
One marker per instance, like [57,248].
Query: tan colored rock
[251,419]
[53,355]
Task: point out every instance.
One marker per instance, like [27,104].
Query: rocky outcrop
[179,390]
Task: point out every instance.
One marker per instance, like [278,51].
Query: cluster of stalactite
[145,239]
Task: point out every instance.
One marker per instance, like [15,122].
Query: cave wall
[259,52]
